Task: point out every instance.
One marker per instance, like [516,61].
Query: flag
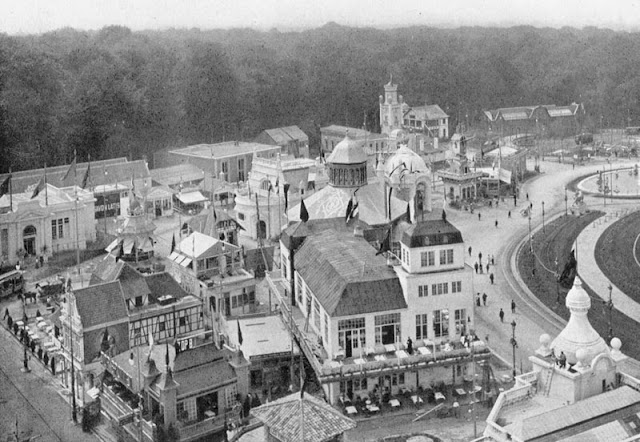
[239,334]
[352,209]
[38,188]
[278,185]
[150,340]
[286,196]
[72,168]
[304,215]
[4,187]
[444,215]
[349,209]
[385,246]
[173,242]
[270,189]
[85,178]
[389,205]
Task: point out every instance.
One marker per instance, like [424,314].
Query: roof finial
[391,78]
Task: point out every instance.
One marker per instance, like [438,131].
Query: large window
[387,329]
[59,228]
[240,169]
[423,291]
[446,256]
[428,259]
[456,287]
[441,323]
[441,288]
[460,317]
[421,326]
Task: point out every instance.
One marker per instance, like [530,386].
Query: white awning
[147,245]
[179,259]
[128,246]
[192,197]
[173,256]
[113,245]
[186,262]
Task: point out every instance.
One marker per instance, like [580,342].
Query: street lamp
[543,230]
[514,345]
[609,305]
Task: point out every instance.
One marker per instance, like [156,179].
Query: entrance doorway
[29,240]
[262,230]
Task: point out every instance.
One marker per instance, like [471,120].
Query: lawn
[558,241]
[614,255]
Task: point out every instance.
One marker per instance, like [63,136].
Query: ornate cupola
[578,333]
[347,164]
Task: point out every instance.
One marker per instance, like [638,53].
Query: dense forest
[115,92]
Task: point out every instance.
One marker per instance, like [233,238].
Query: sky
[37,16]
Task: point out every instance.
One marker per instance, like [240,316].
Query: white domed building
[590,397]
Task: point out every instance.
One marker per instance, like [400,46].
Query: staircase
[549,378]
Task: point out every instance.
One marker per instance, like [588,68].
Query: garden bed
[558,240]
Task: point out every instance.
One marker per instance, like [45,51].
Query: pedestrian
[6,311]
[493,262]
[469,250]
[488,265]
[484,299]
[574,166]
[479,216]
[46,359]
[496,224]
[53,365]
[10,321]
[480,268]
[527,196]
[562,360]
[38,314]
[531,206]
[480,257]
[409,346]
[486,339]
[491,278]
[515,200]
[501,315]
[478,299]
[509,214]
[513,307]
[474,266]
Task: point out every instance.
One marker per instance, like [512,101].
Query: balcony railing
[207,426]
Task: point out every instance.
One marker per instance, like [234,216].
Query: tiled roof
[431,233]
[107,270]
[100,304]
[346,276]
[284,135]
[117,169]
[577,413]
[201,368]
[354,132]
[291,419]
[348,151]
[296,133]
[427,112]
[203,222]
[161,284]
[197,244]
[294,235]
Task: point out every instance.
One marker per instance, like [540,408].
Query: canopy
[192,197]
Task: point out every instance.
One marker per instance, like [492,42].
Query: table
[373,408]
[359,361]
[394,403]
[19,323]
[401,354]
[209,413]
[440,396]
[460,392]
[351,409]
[390,348]
[424,351]
[476,389]
[416,399]
[380,357]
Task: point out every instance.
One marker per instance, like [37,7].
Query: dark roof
[203,222]
[106,270]
[321,422]
[294,235]
[132,282]
[201,368]
[431,233]
[161,284]
[100,304]
[254,258]
[118,170]
[346,276]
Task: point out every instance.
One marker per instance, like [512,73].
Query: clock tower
[390,108]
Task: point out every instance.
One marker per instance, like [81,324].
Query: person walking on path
[496,224]
[475,266]
[491,278]
[480,268]
[478,299]
[493,262]
[501,315]
[513,306]
[469,250]
[484,299]
[509,214]
[527,196]
[487,266]
[479,216]
[480,257]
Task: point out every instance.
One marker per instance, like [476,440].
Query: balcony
[194,431]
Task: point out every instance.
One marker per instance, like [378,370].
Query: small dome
[412,162]
[616,344]
[577,298]
[348,151]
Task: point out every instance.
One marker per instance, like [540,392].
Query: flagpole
[104,197]
[46,191]
[10,191]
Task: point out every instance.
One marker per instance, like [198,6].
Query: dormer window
[426,241]
[139,301]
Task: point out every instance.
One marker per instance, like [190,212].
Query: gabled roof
[284,418]
[431,233]
[203,222]
[197,244]
[101,304]
[174,175]
[294,235]
[222,150]
[284,135]
[346,276]
[161,284]
[427,112]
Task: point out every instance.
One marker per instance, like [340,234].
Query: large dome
[412,162]
[348,151]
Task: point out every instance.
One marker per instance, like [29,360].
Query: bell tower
[390,108]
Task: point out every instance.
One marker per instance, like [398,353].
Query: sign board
[112,201]
[504,175]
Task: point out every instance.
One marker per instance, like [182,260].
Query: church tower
[390,108]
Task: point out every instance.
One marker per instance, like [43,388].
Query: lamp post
[543,230]
[25,361]
[514,345]
[609,305]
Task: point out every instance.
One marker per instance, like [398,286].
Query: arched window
[29,231]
